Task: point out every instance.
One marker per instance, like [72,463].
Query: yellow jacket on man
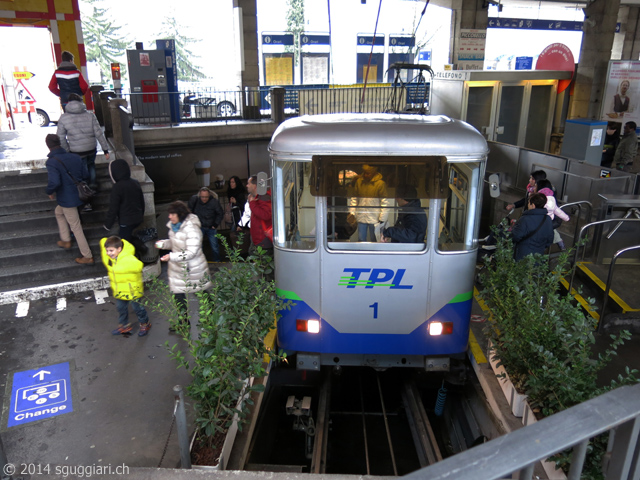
[125,272]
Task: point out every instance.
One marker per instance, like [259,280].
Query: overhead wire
[375,30]
[330,43]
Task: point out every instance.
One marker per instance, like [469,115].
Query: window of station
[378,203]
[459,215]
[295,212]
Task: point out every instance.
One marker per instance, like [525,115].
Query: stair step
[46,220]
[30,257]
[47,273]
[13,240]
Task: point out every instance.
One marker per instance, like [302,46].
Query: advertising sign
[622,92]
[470,54]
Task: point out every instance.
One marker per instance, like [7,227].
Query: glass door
[540,116]
[510,119]
[480,106]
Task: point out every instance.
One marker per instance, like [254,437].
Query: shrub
[235,316]
[544,340]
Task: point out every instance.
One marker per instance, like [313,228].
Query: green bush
[235,316]
[543,340]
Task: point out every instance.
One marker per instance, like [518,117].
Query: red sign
[557,56]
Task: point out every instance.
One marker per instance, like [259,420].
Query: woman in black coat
[237,196]
[533,232]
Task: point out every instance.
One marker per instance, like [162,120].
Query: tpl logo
[378,277]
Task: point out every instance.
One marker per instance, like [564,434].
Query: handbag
[228,214]
[85,192]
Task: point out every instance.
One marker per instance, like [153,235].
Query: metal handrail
[609,279]
[577,243]
[579,205]
[616,411]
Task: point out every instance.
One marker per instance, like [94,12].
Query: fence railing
[209,105]
[616,412]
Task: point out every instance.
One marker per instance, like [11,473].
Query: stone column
[630,25]
[250,76]
[465,14]
[599,27]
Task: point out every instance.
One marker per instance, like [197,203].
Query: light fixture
[309,326]
[440,328]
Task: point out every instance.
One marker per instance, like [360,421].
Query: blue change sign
[41,393]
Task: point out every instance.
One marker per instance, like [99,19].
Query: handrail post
[181,421]
[582,230]
[609,280]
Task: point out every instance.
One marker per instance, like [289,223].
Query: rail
[616,412]
[579,205]
[209,105]
[582,230]
[609,279]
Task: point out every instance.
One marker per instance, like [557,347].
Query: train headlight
[440,328]
[309,326]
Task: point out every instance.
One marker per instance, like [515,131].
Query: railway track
[363,422]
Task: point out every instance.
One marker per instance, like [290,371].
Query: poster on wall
[470,54]
[621,99]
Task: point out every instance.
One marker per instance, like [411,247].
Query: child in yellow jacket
[125,274]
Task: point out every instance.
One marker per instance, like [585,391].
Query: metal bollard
[181,421]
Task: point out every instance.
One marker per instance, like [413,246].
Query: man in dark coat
[126,201]
[206,207]
[533,232]
[62,188]
[411,226]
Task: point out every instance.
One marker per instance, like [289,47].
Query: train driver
[411,226]
[370,190]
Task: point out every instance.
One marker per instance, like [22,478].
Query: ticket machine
[154,96]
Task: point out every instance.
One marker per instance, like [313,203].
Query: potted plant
[544,341]
[235,316]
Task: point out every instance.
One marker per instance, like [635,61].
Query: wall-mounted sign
[401,41]
[531,24]
[621,100]
[277,39]
[524,63]
[306,39]
[368,40]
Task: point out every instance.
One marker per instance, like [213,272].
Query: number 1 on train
[375,309]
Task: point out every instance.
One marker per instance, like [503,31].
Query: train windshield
[376,203]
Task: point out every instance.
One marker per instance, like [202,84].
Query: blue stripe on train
[418,342]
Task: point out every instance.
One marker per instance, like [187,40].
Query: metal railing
[209,105]
[617,412]
[581,235]
[580,204]
[610,279]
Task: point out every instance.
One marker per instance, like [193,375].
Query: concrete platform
[121,386]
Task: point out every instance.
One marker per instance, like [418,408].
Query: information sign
[40,393]
[524,63]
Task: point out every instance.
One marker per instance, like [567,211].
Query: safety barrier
[209,105]
[616,412]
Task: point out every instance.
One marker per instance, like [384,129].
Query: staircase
[29,256]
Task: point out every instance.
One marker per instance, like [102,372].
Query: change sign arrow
[41,374]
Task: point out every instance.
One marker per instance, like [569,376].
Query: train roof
[375,134]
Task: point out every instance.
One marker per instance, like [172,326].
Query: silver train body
[370,302]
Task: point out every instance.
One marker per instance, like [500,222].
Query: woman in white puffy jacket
[545,187]
[188,270]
